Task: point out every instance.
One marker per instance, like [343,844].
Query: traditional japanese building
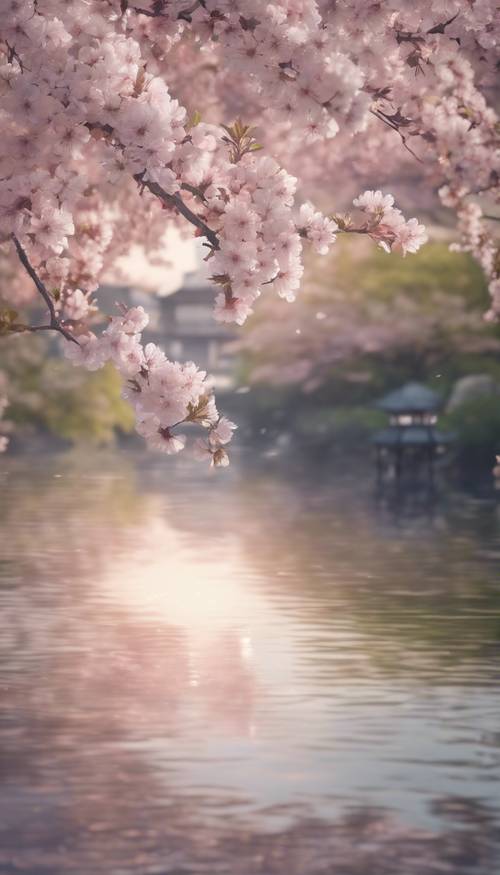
[412,439]
[190,332]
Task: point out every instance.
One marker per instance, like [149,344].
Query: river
[258,670]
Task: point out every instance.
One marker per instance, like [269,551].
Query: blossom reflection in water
[287,683]
[203,596]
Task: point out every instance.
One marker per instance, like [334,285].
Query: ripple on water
[283,680]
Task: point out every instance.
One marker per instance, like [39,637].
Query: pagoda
[411,440]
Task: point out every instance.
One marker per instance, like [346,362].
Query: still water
[261,671]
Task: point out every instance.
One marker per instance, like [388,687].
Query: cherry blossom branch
[55,324]
[192,189]
[170,200]
[383,117]
[440,28]
[175,201]
[159,7]
[12,55]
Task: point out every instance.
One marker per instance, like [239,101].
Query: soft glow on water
[285,680]
[183,585]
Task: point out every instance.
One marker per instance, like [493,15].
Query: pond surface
[259,671]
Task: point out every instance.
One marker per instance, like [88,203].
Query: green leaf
[194,120]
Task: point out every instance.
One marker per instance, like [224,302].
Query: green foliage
[429,309]
[439,283]
[46,392]
[477,426]
[90,412]
[432,270]
[338,425]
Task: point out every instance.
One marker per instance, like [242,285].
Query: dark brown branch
[34,328]
[139,11]
[55,324]
[440,28]
[158,10]
[171,200]
[196,192]
[415,38]
[12,55]
[23,258]
[383,118]
[175,202]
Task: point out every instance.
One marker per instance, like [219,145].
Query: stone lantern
[411,440]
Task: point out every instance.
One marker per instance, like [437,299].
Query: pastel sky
[182,255]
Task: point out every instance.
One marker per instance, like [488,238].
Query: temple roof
[411,398]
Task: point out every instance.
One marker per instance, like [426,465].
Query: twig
[158,10]
[175,201]
[383,118]
[171,200]
[34,328]
[12,55]
[196,192]
[55,324]
[440,28]
[139,11]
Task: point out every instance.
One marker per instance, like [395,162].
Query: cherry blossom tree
[118,121]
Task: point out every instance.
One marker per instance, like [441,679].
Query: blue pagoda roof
[411,398]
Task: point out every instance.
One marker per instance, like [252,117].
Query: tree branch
[386,120]
[170,200]
[197,192]
[158,10]
[55,324]
[440,28]
[175,201]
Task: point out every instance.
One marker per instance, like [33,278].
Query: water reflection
[284,679]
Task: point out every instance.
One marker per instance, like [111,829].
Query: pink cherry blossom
[374,201]
[103,147]
[222,433]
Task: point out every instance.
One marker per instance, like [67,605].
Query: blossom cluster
[98,116]
[259,244]
[164,394]
[313,70]
[316,69]
[261,236]
[478,239]
[387,225]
